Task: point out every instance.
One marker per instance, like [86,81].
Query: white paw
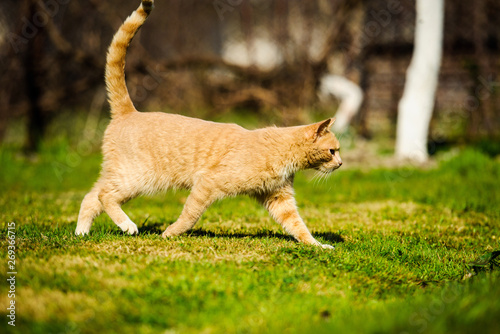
[325,246]
[168,233]
[129,227]
[81,231]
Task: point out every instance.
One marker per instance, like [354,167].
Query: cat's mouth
[327,170]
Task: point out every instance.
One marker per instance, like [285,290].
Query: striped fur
[118,95]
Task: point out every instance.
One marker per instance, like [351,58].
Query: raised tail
[118,95]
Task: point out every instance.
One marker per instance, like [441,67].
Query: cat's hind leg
[197,202]
[91,208]
[111,201]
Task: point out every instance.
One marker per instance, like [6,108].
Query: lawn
[402,237]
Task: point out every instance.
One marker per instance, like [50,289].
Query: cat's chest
[265,181]
[271,184]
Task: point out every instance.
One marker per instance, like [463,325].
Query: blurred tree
[350,96]
[51,72]
[481,117]
[34,57]
[417,103]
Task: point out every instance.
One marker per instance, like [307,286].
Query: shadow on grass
[329,236]
[153,228]
[239,235]
[158,228]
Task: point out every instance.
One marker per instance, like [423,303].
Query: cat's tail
[118,95]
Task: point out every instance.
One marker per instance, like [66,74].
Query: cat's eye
[332,151]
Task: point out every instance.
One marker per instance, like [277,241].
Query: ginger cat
[144,153]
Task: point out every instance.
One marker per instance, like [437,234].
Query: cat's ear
[322,128]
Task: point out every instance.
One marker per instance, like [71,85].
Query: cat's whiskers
[325,177]
[320,176]
[316,178]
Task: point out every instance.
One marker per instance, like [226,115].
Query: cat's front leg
[281,205]
[197,202]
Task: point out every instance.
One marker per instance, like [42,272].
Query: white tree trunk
[417,103]
[349,94]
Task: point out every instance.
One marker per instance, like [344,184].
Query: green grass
[402,236]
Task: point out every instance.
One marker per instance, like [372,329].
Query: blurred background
[285,62]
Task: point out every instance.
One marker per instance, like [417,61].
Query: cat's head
[322,149]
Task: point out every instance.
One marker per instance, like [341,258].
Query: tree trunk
[33,76]
[350,96]
[481,111]
[416,105]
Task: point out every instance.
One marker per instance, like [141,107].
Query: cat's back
[159,126]
[176,138]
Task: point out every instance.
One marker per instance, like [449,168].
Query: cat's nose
[340,163]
